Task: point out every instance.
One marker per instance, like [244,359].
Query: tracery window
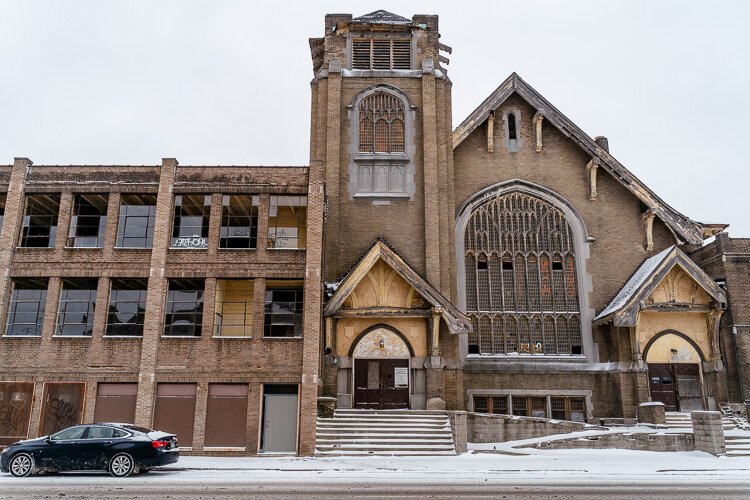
[381,124]
[521,289]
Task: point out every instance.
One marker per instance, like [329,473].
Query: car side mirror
[48,440]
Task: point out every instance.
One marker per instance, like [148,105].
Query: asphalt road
[121,490]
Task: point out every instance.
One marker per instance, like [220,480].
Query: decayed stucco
[671,348]
[381,343]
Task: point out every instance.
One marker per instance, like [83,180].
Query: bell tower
[381,133]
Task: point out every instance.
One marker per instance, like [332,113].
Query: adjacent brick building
[511,265]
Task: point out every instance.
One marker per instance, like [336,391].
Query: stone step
[393,421]
[405,413]
[402,453]
[447,442]
[385,447]
[365,433]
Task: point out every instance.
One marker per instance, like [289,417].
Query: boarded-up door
[175,411]
[15,410]
[689,392]
[279,433]
[62,407]
[115,403]
[226,415]
[677,385]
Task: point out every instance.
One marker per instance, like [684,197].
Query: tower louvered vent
[381,53]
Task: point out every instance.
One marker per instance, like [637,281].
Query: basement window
[491,404]
[381,53]
[26,310]
[184,311]
[40,221]
[75,317]
[87,225]
[191,218]
[239,221]
[137,218]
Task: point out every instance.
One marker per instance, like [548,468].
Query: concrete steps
[676,420]
[385,432]
[737,446]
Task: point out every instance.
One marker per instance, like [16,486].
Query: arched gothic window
[521,290]
[381,124]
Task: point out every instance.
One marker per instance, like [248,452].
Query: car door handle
[107,442]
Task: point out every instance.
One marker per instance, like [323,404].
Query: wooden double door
[677,385]
[381,384]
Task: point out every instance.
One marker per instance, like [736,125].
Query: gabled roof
[381,17]
[457,322]
[624,308]
[686,230]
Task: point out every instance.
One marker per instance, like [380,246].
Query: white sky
[226,82]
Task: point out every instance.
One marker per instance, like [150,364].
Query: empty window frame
[191,219]
[127,307]
[184,310]
[234,308]
[75,316]
[2,209]
[381,124]
[512,132]
[239,221]
[521,289]
[287,222]
[40,221]
[26,310]
[137,218]
[88,222]
[381,53]
[283,308]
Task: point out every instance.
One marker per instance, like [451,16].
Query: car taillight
[159,444]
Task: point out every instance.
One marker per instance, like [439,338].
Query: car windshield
[138,429]
[70,433]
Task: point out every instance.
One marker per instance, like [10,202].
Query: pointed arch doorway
[382,375]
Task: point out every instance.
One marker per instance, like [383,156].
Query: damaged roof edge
[687,230]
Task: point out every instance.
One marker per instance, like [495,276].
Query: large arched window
[520,278]
[381,124]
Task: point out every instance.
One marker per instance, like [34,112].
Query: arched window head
[521,289]
[381,124]
[512,133]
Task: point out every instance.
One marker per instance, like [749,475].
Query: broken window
[521,289]
[184,310]
[87,225]
[381,53]
[239,221]
[127,307]
[191,218]
[75,317]
[40,221]
[234,308]
[283,308]
[287,222]
[26,310]
[137,218]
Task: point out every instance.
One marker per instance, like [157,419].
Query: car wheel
[121,465]
[21,465]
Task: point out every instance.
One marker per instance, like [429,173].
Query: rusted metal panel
[175,411]
[226,416]
[115,402]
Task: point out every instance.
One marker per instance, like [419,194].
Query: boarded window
[175,411]
[62,406]
[226,415]
[40,220]
[521,288]
[381,53]
[115,403]
[15,410]
[234,308]
[287,222]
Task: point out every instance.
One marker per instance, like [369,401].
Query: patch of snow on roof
[381,17]
[635,283]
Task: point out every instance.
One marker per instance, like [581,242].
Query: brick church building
[510,265]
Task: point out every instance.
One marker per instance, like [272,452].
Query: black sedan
[120,449]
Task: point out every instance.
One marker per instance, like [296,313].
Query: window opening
[512,135]
[234,308]
[381,53]
[381,124]
[184,311]
[137,219]
[127,307]
[89,220]
[287,222]
[239,221]
[40,221]
[26,310]
[521,289]
[283,308]
[2,209]
[75,317]
[191,219]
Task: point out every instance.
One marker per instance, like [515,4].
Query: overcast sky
[227,82]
